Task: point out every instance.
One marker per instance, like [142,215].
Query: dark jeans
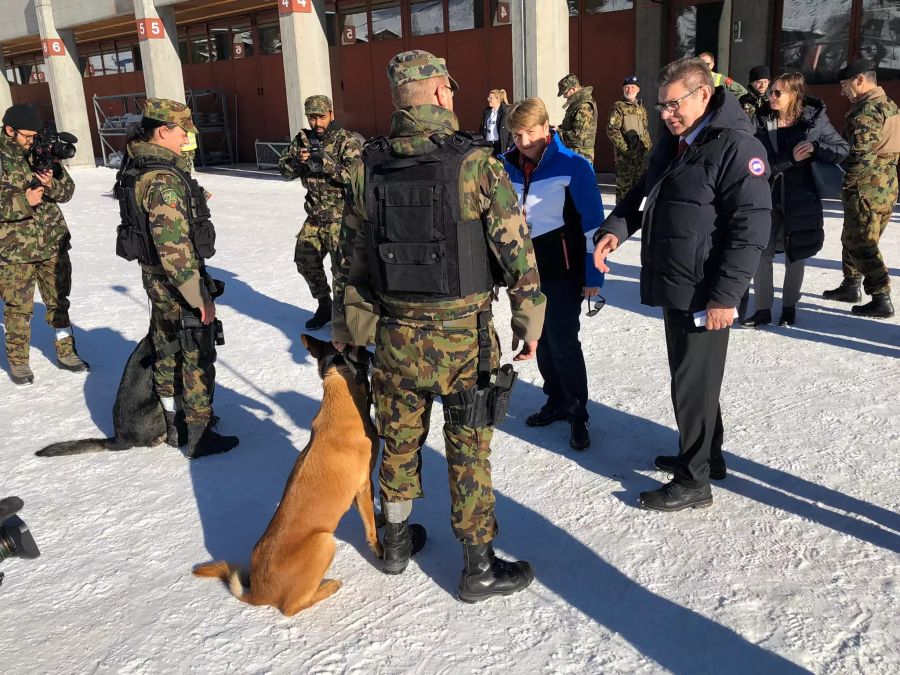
[697,364]
[559,356]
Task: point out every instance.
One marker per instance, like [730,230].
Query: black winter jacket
[504,133]
[793,188]
[707,216]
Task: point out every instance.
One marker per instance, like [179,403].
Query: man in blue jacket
[704,208]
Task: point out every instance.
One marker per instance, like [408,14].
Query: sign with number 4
[286,7]
[150,29]
[53,47]
[502,15]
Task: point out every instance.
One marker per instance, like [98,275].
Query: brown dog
[289,562]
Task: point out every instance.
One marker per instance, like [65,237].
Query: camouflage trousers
[628,169]
[586,152]
[17,281]
[414,363]
[187,373]
[865,219]
[313,242]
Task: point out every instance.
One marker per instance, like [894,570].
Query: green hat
[318,105]
[416,65]
[568,81]
[170,112]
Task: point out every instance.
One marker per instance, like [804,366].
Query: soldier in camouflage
[736,88]
[178,286]
[324,179]
[870,189]
[629,133]
[34,245]
[579,127]
[759,79]
[429,349]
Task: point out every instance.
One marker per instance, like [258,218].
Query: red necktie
[682,146]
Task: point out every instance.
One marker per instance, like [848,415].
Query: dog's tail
[232,575]
[81,447]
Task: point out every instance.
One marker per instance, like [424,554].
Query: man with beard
[579,127]
[629,134]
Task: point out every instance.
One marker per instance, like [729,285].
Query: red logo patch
[757,167]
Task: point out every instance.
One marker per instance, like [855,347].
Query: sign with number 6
[150,29]
[53,47]
[286,7]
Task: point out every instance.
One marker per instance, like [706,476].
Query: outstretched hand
[607,244]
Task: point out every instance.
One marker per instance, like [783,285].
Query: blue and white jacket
[562,207]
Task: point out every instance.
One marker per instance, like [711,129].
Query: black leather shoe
[880,307]
[848,291]
[580,439]
[674,496]
[401,542]
[788,316]
[760,317]
[485,575]
[667,463]
[322,317]
[545,416]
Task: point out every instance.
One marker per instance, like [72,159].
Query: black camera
[15,538]
[316,161]
[50,147]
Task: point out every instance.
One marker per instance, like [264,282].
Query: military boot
[485,575]
[880,307]
[322,315]
[401,542]
[21,374]
[203,441]
[67,358]
[176,428]
[848,291]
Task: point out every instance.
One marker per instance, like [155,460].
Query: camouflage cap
[416,65]
[170,112]
[570,80]
[318,105]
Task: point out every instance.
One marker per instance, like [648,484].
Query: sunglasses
[777,93]
[598,305]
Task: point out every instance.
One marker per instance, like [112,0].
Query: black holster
[194,335]
[482,406]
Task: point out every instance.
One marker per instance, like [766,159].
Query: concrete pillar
[66,86]
[540,44]
[5,93]
[651,24]
[158,35]
[304,46]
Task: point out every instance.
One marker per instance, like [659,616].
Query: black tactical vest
[133,238]
[420,248]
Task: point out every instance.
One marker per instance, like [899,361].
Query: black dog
[137,415]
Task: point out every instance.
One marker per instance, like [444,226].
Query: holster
[194,335]
[482,406]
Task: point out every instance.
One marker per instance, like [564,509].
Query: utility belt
[487,403]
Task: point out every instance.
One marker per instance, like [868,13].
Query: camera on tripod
[15,538]
[316,161]
[50,147]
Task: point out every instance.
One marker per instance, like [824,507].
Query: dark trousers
[697,364]
[559,356]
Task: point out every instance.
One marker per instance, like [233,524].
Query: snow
[794,568]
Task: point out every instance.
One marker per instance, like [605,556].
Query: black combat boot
[761,317]
[485,575]
[579,439]
[401,542]
[203,441]
[176,428]
[322,315]
[880,307]
[788,316]
[848,291]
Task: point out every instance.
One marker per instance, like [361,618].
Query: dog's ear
[315,346]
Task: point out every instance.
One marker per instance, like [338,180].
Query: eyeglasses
[601,301]
[777,93]
[450,89]
[27,137]
[673,106]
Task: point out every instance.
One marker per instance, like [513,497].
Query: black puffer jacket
[707,216]
[793,188]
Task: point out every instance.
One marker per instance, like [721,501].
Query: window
[354,26]
[200,52]
[573,8]
[815,38]
[270,39]
[220,38]
[880,37]
[500,13]
[427,17]
[386,20]
[599,6]
[241,41]
[13,76]
[466,14]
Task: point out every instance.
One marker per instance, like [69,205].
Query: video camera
[50,147]
[15,539]
[316,161]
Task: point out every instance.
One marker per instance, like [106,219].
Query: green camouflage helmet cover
[570,80]
[318,105]
[416,65]
[170,112]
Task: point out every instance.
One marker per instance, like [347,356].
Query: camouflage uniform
[34,245]
[579,127]
[324,195]
[428,350]
[628,130]
[870,191]
[751,102]
[176,286]
[736,88]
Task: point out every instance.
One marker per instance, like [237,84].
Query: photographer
[34,243]
[320,157]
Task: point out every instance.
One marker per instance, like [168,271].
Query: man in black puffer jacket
[704,209]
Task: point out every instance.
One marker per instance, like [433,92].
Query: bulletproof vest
[420,247]
[133,238]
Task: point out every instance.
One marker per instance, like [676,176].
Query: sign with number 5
[150,29]
[53,47]
[286,7]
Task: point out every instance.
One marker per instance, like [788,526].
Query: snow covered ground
[794,568]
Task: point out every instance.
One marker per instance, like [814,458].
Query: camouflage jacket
[751,102]
[485,194]
[628,129]
[325,190]
[30,234]
[736,88]
[868,122]
[162,196]
[579,126]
